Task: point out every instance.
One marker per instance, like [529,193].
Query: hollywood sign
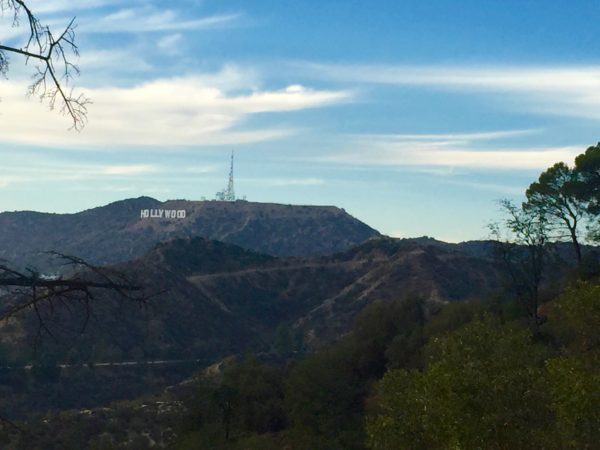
[162,214]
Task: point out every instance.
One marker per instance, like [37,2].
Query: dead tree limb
[29,289]
[54,70]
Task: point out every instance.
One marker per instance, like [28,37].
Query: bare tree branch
[54,70]
[77,289]
[524,252]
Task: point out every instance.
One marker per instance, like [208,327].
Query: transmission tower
[228,194]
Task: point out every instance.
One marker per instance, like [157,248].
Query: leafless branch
[31,290]
[54,70]
[524,252]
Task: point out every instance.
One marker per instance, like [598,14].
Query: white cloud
[512,158]
[174,111]
[448,150]
[569,91]
[485,78]
[295,88]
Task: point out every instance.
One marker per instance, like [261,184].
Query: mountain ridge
[116,232]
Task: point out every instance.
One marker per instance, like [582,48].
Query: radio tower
[228,195]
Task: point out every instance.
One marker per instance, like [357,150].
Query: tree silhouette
[556,195]
[521,245]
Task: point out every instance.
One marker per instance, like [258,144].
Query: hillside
[117,232]
[210,299]
[320,295]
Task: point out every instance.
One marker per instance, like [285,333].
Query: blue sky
[414,116]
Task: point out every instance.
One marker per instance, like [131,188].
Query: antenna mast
[228,194]
[230,191]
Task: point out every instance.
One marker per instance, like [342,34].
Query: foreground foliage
[494,385]
[473,375]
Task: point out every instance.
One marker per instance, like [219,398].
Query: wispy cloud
[127,188]
[115,16]
[499,77]
[564,90]
[281,182]
[173,111]
[41,7]
[462,150]
[115,60]
[504,189]
[135,169]
[455,137]
[200,169]
[149,19]
[56,13]
[440,140]
[511,158]
[65,171]
[171,43]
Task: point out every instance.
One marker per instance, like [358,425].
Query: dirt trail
[312,265]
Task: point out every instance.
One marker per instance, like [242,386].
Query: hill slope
[212,299]
[116,232]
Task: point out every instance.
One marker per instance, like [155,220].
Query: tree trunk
[576,245]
